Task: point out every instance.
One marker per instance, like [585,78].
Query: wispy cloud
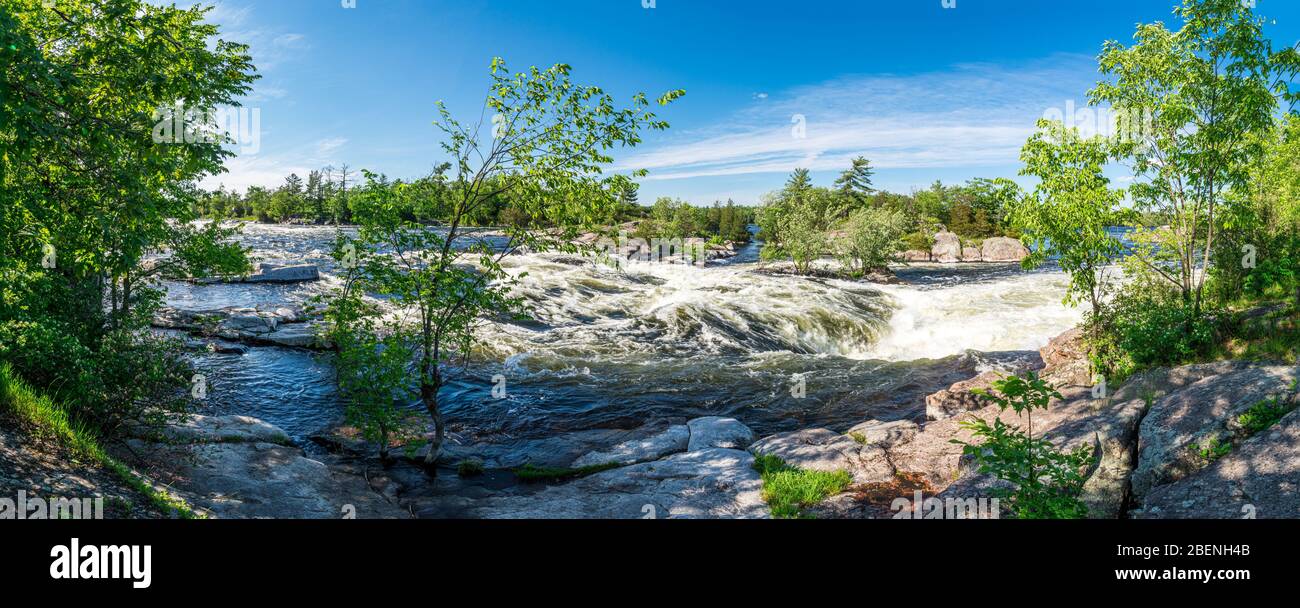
[971,115]
[326,148]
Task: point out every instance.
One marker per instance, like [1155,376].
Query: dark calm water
[620,347]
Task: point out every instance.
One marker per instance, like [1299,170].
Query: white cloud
[967,116]
[327,147]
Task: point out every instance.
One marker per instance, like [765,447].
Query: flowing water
[617,347]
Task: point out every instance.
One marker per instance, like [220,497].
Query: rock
[224,429]
[250,322]
[960,397]
[711,483]
[675,439]
[273,273]
[301,335]
[1064,349]
[269,481]
[287,315]
[946,249]
[1259,479]
[914,255]
[1003,249]
[884,276]
[222,348]
[717,432]
[820,449]
[1186,422]
[1066,360]
[884,434]
[971,254]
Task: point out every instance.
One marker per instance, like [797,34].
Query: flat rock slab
[706,484]
[1259,479]
[718,432]
[1184,423]
[884,434]
[559,450]
[225,429]
[269,481]
[671,441]
[273,273]
[825,450]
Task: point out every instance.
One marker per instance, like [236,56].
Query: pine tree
[799,184]
[856,182]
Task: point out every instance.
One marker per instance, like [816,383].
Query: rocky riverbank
[1150,435]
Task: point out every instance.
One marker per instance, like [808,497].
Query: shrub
[1146,326]
[1046,482]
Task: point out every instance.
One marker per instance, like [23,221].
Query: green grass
[1263,415]
[1214,449]
[50,421]
[535,474]
[789,490]
[469,468]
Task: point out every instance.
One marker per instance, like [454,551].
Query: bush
[1046,482]
[1146,326]
[871,240]
[133,379]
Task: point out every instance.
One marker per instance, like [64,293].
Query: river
[619,347]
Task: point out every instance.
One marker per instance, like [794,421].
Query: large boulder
[1259,479]
[671,441]
[1003,249]
[1066,360]
[819,449]
[717,432]
[946,249]
[971,254]
[914,255]
[1185,426]
[247,322]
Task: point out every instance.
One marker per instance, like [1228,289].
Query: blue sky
[924,91]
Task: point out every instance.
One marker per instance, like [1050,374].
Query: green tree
[89,181]
[872,238]
[1195,101]
[1068,215]
[855,183]
[550,139]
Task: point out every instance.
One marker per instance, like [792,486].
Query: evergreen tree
[856,181]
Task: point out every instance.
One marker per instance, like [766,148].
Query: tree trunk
[429,396]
